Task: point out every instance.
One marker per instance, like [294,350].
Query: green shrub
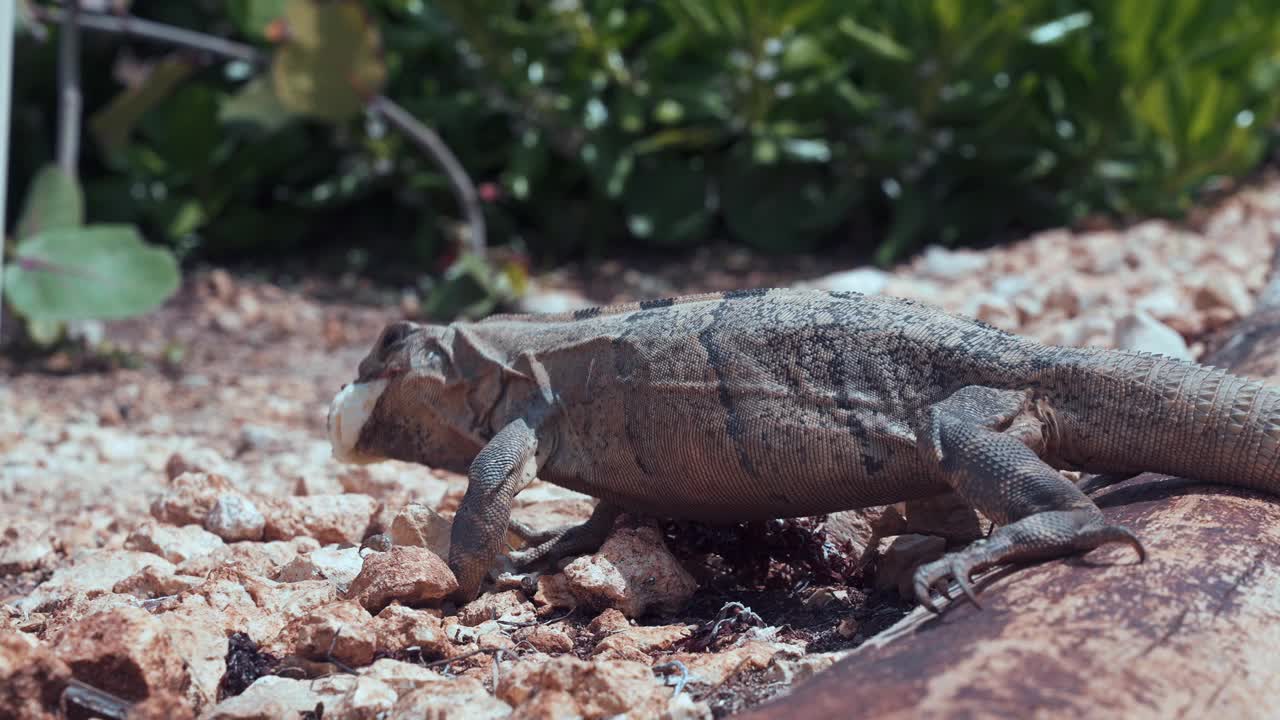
[947,120]
[605,124]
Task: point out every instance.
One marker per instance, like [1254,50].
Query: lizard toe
[520,559]
[940,573]
[966,586]
[924,596]
[1093,483]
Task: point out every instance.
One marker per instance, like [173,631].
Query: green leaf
[331,60]
[877,42]
[101,271]
[1055,30]
[1156,108]
[185,218]
[949,13]
[905,231]
[806,150]
[1207,108]
[472,287]
[184,130]
[682,138]
[805,52]
[257,106]
[253,16]
[113,124]
[54,201]
[44,332]
[1135,25]
[24,19]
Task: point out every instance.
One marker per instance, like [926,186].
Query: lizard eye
[396,334]
[435,360]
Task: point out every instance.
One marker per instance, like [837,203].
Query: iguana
[755,404]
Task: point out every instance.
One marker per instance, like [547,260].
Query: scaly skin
[784,403]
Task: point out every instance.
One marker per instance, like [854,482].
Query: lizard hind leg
[1040,513]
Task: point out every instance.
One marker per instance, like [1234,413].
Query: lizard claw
[966,586]
[925,596]
[939,573]
[1091,537]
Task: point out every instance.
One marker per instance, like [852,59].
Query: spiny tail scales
[1135,411]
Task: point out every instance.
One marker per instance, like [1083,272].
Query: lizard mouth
[348,413]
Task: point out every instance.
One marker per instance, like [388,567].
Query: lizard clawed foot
[571,541]
[547,553]
[961,565]
[958,566]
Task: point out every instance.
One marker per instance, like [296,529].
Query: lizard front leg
[1040,513]
[503,468]
[531,535]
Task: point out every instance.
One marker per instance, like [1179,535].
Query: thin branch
[136,27]
[70,101]
[428,140]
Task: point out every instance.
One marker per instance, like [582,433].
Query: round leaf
[54,201]
[331,60]
[101,271]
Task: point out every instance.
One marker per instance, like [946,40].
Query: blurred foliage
[601,125]
[329,59]
[63,270]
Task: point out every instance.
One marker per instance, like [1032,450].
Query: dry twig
[666,667]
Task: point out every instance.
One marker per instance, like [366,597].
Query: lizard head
[400,405]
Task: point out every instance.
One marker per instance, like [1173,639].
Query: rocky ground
[175,540]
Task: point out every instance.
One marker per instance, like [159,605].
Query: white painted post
[6,76]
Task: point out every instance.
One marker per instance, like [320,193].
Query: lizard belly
[775,465]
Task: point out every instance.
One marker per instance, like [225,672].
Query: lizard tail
[1138,411]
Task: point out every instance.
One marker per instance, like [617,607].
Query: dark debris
[245,664]
[772,554]
[733,619]
[742,691]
